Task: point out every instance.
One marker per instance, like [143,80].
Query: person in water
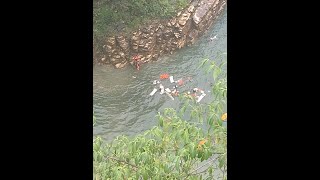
[136,59]
[180,82]
[175,91]
[195,90]
[156,82]
[138,65]
[161,89]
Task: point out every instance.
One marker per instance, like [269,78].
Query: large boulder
[123,43]
[184,18]
[121,65]
[202,10]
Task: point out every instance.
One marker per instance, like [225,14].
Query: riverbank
[111,17]
[124,16]
[160,36]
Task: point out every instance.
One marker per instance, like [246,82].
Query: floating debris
[200,98]
[164,76]
[168,90]
[197,93]
[171,79]
[214,37]
[154,91]
[169,95]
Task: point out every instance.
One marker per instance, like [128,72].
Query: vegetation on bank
[176,148]
[111,16]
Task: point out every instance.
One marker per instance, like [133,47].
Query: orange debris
[224,116]
[164,76]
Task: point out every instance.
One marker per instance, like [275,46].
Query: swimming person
[136,61]
[138,65]
[180,82]
[161,89]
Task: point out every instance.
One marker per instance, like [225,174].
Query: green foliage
[212,113]
[110,16]
[169,151]
[175,149]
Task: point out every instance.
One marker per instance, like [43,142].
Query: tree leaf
[95,156]
[203,63]
[210,170]
[210,121]
[145,174]
[177,163]
[186,136]
[216,73]
[161,122]
[221,162]
[224,117]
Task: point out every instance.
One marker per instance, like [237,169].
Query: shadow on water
[122,104]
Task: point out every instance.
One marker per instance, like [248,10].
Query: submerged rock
[184,18]
[120,65]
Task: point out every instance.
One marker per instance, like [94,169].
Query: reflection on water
[122,104]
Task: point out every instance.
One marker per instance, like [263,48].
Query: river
[122,104]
